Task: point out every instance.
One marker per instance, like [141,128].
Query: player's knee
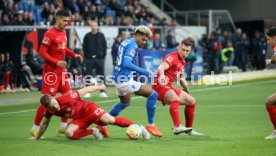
[174,98]
[69,133]
[269,102]
[154,95]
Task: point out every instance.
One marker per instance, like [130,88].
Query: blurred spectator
[157,43]
[163,22]
[258,51]
[173,23]
[71,5]
[46,11]
[35,62]
[190,59]
[171,40]
[115,5]
[227,54]
[115,46]
[18,20]
[2,73]
[5,19]
[9,74]
[108,21]
[213,47]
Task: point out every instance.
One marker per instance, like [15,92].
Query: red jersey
[71,106]
[54,48]
[176,66]
[274,48]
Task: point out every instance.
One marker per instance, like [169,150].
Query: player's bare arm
[183,83]
[272,60]
[43,127]
[89,89]
[161,70]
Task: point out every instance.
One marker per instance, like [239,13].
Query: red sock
[81,133]
[122,122]
[39,114]
[64,119]
[189,115]
[272,114]
[174,105]
[7,79]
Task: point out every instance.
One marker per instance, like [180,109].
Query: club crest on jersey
[74,95]
[45,40]
[68,109]
[132,52]
[52,90]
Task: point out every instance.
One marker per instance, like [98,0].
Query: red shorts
[162,90]
[53,83]
[93,115]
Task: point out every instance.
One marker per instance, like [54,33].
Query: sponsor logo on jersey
[62,45]
[169,59]
[132,52]
[45,40]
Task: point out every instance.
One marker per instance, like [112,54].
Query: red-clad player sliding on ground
[54,49]
[171,68]
[83,114]
[271,100]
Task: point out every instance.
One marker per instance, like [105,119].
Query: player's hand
[186,90]
[102,87]
[268,61]
[79,57]
[62,64]
[150,74]
[163,80]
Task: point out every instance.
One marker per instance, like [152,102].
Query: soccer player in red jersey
[171,68]
[83,114]
[54,49]
[271,100]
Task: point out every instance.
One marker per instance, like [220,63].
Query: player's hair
[143,30]
[63,13]
[187,42]
[271,32]
[45,100]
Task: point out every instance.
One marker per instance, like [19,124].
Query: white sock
[35,127]
[63,124]
[151,124]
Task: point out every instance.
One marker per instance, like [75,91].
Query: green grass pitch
[233,119]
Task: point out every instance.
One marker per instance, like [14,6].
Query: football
[134,132]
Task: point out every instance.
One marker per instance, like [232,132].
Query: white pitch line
[134,98]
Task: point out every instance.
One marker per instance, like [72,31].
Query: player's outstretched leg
[74,132]
[117,108]
[189,112]
[271,108]
[151,109]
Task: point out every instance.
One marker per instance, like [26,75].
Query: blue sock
[117,108]
[151,107]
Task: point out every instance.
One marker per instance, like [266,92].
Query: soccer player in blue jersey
[124,83]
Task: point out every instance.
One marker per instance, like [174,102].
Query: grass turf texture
[233,119]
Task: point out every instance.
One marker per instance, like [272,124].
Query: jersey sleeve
[47,39]
[69,97]
[47,114]
[170,60]
[128,61]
